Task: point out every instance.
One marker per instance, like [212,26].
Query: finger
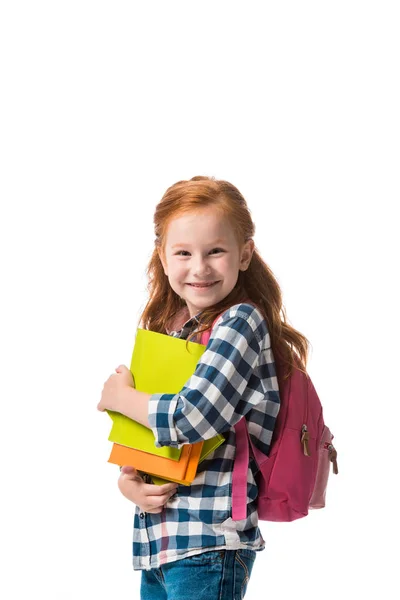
[158,508]
[168,487]
[151,489]
[130,477]
[157,501]
[128,469]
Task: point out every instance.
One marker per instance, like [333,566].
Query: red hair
[257,283]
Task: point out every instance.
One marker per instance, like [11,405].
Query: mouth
[203,286]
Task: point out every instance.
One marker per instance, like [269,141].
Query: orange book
[182,471]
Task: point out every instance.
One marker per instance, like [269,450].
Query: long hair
[258,284]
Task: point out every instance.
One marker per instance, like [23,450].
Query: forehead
[201,226]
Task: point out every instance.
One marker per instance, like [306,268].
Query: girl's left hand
[115,388]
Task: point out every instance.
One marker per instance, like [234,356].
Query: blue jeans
[213,575]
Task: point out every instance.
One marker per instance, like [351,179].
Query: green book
[160,364]
[132,434]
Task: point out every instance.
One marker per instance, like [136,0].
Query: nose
[201,267]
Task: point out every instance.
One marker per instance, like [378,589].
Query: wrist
[134,404]
[126,400]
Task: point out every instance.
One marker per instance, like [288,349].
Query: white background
[103,106]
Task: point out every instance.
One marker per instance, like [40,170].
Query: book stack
[161,364]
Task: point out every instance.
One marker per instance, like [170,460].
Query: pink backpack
[293,478]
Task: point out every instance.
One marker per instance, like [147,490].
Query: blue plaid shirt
[234,377]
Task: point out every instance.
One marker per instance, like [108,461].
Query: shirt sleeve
[214,398]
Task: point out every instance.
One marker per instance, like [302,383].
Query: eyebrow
[219,241]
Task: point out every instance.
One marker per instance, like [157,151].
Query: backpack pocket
[285,494]
[326,455]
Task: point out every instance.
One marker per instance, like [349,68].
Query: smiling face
[201,248]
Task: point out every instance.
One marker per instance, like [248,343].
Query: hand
[148,497]
[114,390]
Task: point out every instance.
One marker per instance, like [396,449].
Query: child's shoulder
[244,311]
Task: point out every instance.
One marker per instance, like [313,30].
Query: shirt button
[141,515]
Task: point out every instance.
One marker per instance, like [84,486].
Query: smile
[203,286]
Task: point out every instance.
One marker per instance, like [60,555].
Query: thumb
[128,469]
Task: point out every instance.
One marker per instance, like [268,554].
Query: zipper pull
[304,440]
[332,458]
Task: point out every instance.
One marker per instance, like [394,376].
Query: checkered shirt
[234,377]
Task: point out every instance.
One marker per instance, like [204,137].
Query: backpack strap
[241,462]
[240,469]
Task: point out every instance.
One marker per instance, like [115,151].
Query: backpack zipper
[305,436]
[332,456]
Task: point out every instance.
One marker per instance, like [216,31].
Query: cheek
[177,269]
[229,267]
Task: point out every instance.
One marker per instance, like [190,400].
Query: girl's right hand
[147,496]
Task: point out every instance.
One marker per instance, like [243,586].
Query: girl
[205,264]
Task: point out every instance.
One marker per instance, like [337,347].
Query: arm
[207,400]
[216,396]
[224,385]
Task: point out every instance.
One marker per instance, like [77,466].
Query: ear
[163,262]
[247,253]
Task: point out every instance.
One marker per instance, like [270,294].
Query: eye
[179,253]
